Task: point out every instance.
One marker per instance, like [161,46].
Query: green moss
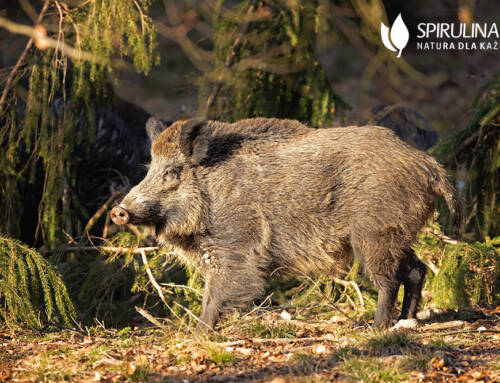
[416,362]
[438,342]
[468,275]
[347,352]
[43,369]
[218,354]
[96,354]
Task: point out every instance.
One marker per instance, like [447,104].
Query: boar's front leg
[233,280]
[211,307]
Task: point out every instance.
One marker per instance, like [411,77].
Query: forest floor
[265,346]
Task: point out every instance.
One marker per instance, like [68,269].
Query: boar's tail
[443,187]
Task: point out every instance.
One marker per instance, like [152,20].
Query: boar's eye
[170,174]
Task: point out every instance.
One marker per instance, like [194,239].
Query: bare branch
[38,36]
[441,236]
[102,210]
[112,249]
[198,56]
[19,62]
[151,277]
[183,287]
[150,318]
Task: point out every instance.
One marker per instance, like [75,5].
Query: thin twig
[469,331]
[150,275]
[112,249]
[443,325]
[275,340]
[59,327]
[134,230]
[150,318]
[193,315]
[441,236]
[10,78]
[355,286]
[107,225]
[231,343]
[182,287]
[290,340]
[256,308]
[327,298]
[70,238]
[433,267]
[48,42]
[160,292]
[101,210]
[142,16]
[198,56]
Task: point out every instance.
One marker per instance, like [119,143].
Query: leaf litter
[263,347]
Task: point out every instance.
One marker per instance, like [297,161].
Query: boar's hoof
[119,215]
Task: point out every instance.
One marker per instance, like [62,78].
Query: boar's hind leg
[381,263]
[387,292]
[413,275]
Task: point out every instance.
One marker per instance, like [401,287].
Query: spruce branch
[230,57]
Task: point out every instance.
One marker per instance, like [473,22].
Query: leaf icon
[399,34]
[384,32]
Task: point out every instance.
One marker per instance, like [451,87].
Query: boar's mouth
[159,228]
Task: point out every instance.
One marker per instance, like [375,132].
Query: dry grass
[258,347]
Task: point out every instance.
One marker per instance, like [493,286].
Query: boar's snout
[119,215]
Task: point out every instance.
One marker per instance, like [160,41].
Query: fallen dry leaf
[278,379]
[130,368]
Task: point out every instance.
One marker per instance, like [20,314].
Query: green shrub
[468,273]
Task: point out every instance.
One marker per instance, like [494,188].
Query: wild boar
[263,196]
[408,124]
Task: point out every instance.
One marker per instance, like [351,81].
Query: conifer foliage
[274,71]
[476,152]
[47,126]
[40,132]
[32,292]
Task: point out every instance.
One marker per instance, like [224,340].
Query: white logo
[399,35]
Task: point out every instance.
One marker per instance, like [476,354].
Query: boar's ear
[154,127]
[191,142]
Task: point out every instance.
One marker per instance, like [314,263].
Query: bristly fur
[262,195]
